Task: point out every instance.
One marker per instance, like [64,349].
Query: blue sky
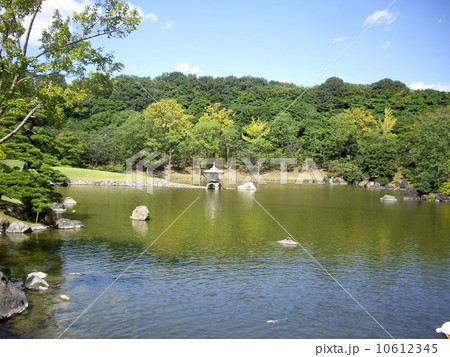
[291,40]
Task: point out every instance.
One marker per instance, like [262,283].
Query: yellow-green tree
[254,130]
[170,115]
[174,125]
[222,116]
[363,120]
[388,122]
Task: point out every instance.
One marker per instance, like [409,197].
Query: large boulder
[12,300]
[65,223]
[411,194]
[35,281]
[140,213]
[442,197]
[247,186]
[18,227]
[4,224]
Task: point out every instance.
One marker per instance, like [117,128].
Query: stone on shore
[411,194]
[18,227]
[12,300]
[140,213]
[4,224]
[247,186]
[38,227]
[389,198]
[65,223]
[442,197]
[35,281]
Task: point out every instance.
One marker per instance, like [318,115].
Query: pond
[208,265]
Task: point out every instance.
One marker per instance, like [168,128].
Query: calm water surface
[218,271]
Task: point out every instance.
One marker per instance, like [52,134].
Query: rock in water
[18,227]
[58,207]
[388,198]
[247,186]
[12,300]
[69,201]
[35,281]
[64,223]
[140,213]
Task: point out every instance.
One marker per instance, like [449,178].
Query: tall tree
[33,85]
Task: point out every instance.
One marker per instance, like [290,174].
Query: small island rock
[35,281]
[18,227]
[247,186]
[140,213]
[389,198]
[12,300]
[69,201]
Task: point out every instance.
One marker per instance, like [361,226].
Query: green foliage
[445,188]
[430,151]
[353,174]
[383,181]
[378,156]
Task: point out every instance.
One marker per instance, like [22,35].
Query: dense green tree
[430,152]
[378,156]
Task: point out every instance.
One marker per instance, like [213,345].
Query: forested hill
[352,130]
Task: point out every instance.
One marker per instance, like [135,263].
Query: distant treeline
[352,130]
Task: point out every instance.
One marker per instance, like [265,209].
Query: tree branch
[27,37]
[78,41]
[22,123]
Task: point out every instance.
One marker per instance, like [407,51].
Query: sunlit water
[218,271]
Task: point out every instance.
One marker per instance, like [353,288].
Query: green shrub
[407,174]
[331,174]
[445,188]
[353,174]
[383,181]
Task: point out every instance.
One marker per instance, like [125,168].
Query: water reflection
[140,227]
[211,204]
[225,278]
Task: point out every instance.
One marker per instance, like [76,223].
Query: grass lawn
[14,163]
[75,174]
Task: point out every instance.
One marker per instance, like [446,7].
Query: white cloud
[339,39]
[150,16]
[381,17]
[385,45]
[168,25]
[437,86]
[186,68]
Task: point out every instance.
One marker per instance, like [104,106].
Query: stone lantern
[213,177]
